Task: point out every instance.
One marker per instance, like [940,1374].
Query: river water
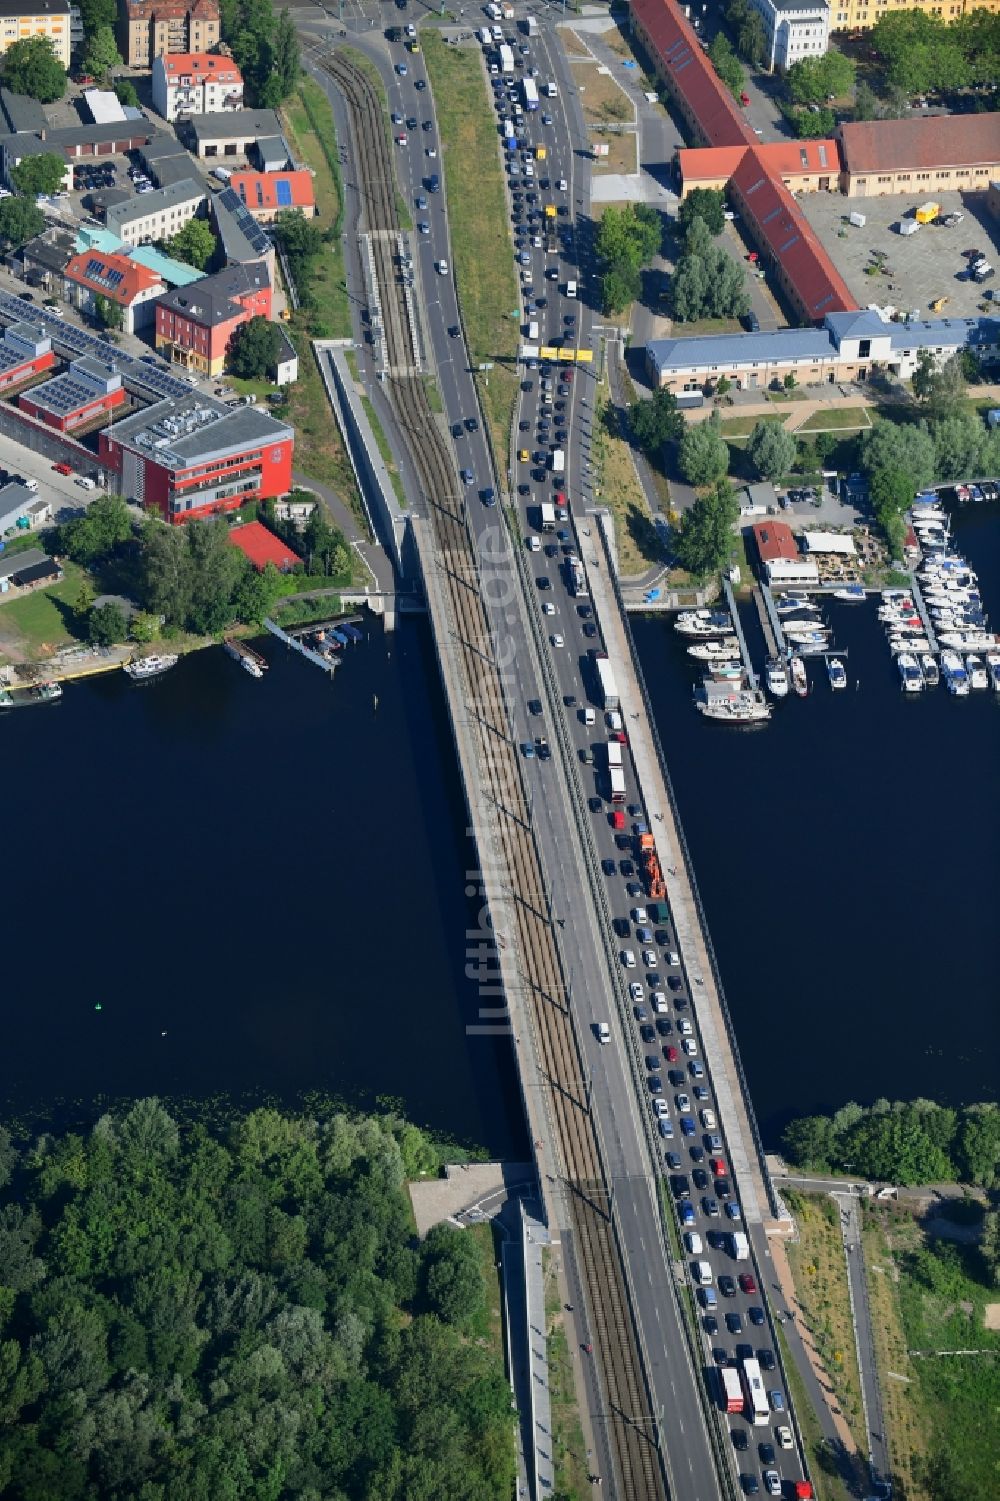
[261,885]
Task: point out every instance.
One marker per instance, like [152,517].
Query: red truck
[732,1391]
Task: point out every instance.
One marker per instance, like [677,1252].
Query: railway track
[592,1245]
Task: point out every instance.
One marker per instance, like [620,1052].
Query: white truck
[531,26]
[558,462]
[506,59]
[739,1246]
[606,681]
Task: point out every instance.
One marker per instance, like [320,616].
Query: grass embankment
[320,453]
[569,1451]
[836,419]
[617,487]
[827,1480]
[36,625]
[385,450]
[820,1273]
[939,1362]
[480,228]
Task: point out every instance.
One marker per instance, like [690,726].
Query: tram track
[593,1244]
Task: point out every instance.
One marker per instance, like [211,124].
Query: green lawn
[836,419]
[39,623]
[738,427]
[480,233]
[385,451]
[310,118]
[702,326]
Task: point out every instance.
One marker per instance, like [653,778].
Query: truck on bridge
[732,1392]
[606,683]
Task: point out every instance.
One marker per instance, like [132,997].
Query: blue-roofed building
[847,347]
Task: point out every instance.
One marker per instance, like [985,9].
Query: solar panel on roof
[283,188]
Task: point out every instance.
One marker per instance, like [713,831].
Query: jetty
[773,634]
[738,631]
[925,619]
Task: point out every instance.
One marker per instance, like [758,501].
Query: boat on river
[800,678]
[929,668]
[31,694]
[851,594]
[710,651]
[776,677]
[141,668]
[836,673]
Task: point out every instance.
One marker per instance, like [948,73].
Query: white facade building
[794,29]
[195,83]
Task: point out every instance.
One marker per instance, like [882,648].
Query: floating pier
[738,631]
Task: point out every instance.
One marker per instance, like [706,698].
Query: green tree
[265,48]
[194,244]
[810,1142]
[108,313]
[989,1247]
[771,449]
[101,53]
[621,285]
[705,204]
[867,104]
[125,92]
[39,174]
[705,534]
[255,594]
[977,1146]
[959,442]
[20,221]
[940,389]
[656,421]
[106,624]
[103,529]
[726,64]
[253,349]
[144,627]
[97,13]
[814,80]
[908,448]
[453,1283]
[895,1148]
[704,454]
[811,124]
[892,491]
[31,67]
[751,39]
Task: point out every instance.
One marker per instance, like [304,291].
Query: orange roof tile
[709,163]
[674,41]
[201,64]
[260,190]
[790,158]
[113,276]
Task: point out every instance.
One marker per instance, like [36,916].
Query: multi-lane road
[621,1096]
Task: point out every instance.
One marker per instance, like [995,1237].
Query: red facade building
[25,351]
[194,324]
[196,457]
[88,391]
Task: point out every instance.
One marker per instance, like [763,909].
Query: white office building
[794,29]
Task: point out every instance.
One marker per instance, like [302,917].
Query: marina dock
[738,631]
[773,633]
[925,619]
[770,638]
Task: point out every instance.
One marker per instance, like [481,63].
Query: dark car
[697,1154]
[472,424]
[679,1186]
[609,867]
[710,1324]
[699,1178]
[655,1084]
[756,1315]
[543,581]
[750,1484]
[766,1358]
[674,982]
[766,1452]
[595,805]
[722,1188]
[751,323]
[727,1286]
[26,296]
[647,1034]
[739,1438]
[672,1160]
[676,1077]
[664,1026]
[456,429]
[627,868]
[734,1323]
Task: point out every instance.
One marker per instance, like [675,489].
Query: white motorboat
[776,677]
[979,678]
[731,672]
[710,651]
[703,623]
[929,668]
[896,594]
[800,678]
[806,635]
[993,668]
[968,640]
[909,672]
[899,644]
[728,705]
[955,675]
[141,668]
[796,607]
[851,594]
[836,673]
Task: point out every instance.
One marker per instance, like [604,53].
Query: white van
[693,1242]
[85,482]
[532,333]
[614,719]
[603,1032]
[534,544]
[550,90]
[589,716]
[702,1273]
[571,289]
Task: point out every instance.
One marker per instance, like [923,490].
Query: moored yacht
[955,675]
[929,668]
[703,623]
[710,651]
[993,668]
[800,679]
[909,672]
[836,673]
[141,668]
[978,676]
[851,594]
[776,677]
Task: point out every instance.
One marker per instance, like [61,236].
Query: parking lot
[923,266]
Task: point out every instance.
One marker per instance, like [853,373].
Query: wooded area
[195,1314]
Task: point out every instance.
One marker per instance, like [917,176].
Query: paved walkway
[534,1236]
[864,1336]
[468,1191]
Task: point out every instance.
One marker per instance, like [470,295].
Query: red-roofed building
[268,194]
[803,166]
[194,324]
[681,65]
[261,547]
[779,554]
[196,83]
[789,246]
[116,278]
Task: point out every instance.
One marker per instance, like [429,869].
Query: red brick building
[85,392]
[197,457]
[194,324]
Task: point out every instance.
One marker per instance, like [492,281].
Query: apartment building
[149,28]
[20,19]
[861,15]
[195,83]
[194,324]
[794,29]
[157,215]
